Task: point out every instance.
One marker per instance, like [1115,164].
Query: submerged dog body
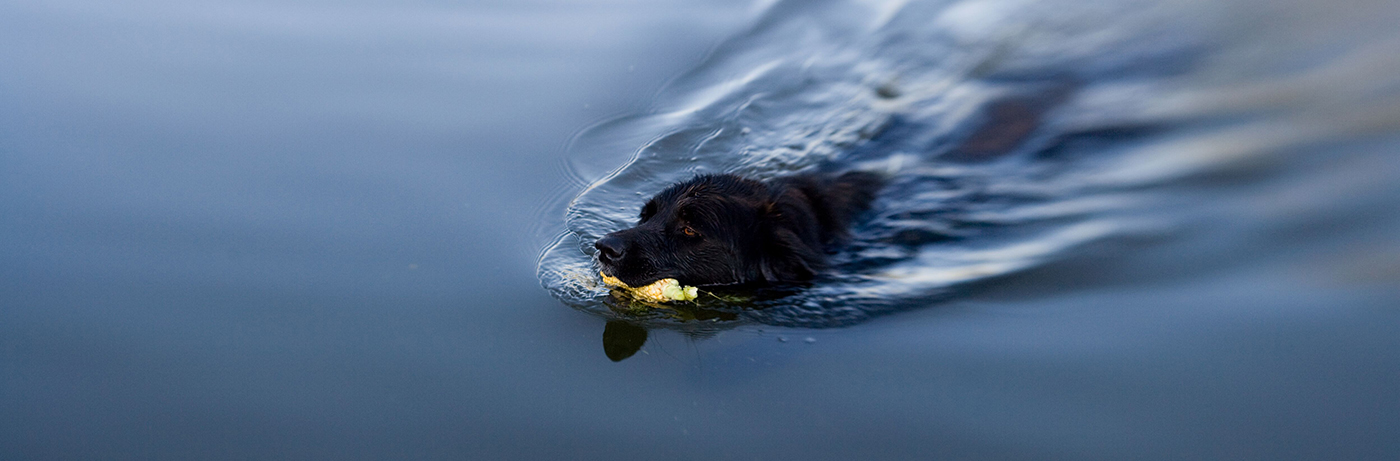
[730,230]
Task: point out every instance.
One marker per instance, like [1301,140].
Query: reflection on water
[1014,135]
[621,339]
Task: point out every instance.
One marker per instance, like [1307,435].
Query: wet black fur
[744,231]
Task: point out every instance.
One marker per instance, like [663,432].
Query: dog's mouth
[629,279]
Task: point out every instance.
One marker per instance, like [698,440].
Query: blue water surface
[361,230]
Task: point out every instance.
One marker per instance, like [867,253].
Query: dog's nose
[610,249]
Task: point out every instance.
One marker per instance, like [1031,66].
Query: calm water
[331,230]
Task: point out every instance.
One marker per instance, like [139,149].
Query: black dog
[729,230]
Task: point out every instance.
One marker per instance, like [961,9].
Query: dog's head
[717,230]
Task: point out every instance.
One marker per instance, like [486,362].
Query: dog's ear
[787,259]
[788,252]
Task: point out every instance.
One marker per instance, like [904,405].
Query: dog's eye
[689,232]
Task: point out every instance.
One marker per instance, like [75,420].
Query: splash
[1014,134]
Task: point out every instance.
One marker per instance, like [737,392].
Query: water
[249,230]
[1124,112]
